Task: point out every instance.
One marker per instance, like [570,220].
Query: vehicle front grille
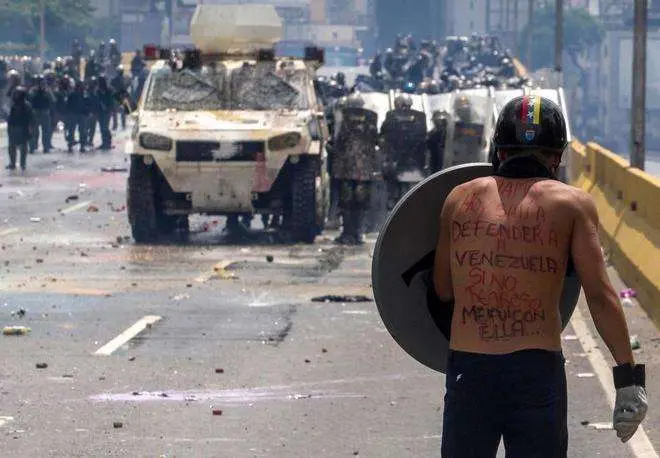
[205,151]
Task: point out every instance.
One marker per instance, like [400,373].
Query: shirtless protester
[505,245]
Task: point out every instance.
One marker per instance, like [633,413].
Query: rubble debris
[117,424]
[307,361]
[221,270]
[601,426]
[324,350]
[39,261]
[270,258]
[219,371]
[164,395]
[217,412]
[132,358]
[16,330]
[92,209]
[586,375]
[584,422]
[628,293]
[67,376]
[20,313]
[135,393]
[114,169]
[634,343]
[348,298]
[42,366]
[35,220]
[71,198]
[570,337]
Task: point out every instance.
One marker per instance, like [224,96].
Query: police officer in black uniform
[355,166]
[42,101]
[437,139]
[19,127]
[403,139]
[78,111]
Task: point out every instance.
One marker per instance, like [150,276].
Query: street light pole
[530,35]
[42,26]
[638,124]
[559,40]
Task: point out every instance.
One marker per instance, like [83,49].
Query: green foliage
[581,32]
[64,20]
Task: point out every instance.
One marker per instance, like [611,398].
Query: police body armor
[468,143]
[355,154]
[404,143]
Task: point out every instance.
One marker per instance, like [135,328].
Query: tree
[65,20]
[582,31]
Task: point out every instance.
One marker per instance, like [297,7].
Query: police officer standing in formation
[437,139]
[119,85]
[403,139]
[354,166]
[78,110]
[105,106]
[20,125]
[41,99]
[506,377]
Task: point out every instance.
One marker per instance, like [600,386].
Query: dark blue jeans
[518,397]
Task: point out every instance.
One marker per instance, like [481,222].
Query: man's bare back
[509,248]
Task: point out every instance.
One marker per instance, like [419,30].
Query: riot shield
[402,269]
[354,156]
[404,137]
[468,143]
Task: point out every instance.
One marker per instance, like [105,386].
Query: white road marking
[76,207]
[8,231]
[127,335]
[5,420]
[640,443]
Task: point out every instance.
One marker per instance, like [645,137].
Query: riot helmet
[531,122]
[403,102]
[355,100]
[19,94]
[463,108]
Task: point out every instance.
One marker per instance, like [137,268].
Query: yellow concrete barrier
[628,202]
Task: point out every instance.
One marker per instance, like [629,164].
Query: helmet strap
[524,165]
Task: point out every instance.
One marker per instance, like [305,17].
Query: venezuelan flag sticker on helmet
[531,121]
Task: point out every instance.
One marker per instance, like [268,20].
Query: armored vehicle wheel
[141,202]
[304,225]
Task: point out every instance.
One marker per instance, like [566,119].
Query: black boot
[346,236]
[358,230]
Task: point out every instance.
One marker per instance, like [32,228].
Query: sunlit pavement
[235,360]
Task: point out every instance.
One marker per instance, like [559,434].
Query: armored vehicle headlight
[155,141]
[285,141]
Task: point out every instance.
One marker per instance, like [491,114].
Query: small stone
[189,285]
[217,412]
[584,422]
[270,258]
[67,376]
[135,393]
[219,371]
[42,365]
[132,358]
[164,395]
[117,425]
[40,261]
[307,361]
[324,350]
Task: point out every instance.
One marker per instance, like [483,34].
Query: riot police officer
[78,111]
[19,127]
[114,54]
[105,106]
[355,166]
[42,101]
[119,86]
[437,139]
[403,138]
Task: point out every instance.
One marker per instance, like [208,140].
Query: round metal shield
[402,269]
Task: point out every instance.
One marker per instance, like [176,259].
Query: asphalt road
[237,360]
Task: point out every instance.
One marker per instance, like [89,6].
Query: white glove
[631,405]
[629,411]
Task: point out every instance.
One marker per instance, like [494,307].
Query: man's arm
[442,267]
[601,297]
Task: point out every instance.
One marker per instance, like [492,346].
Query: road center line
[640,443]
[8,231]
[76,207]
[127,335]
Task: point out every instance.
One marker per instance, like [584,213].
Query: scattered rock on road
[335,298]
[42,366]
